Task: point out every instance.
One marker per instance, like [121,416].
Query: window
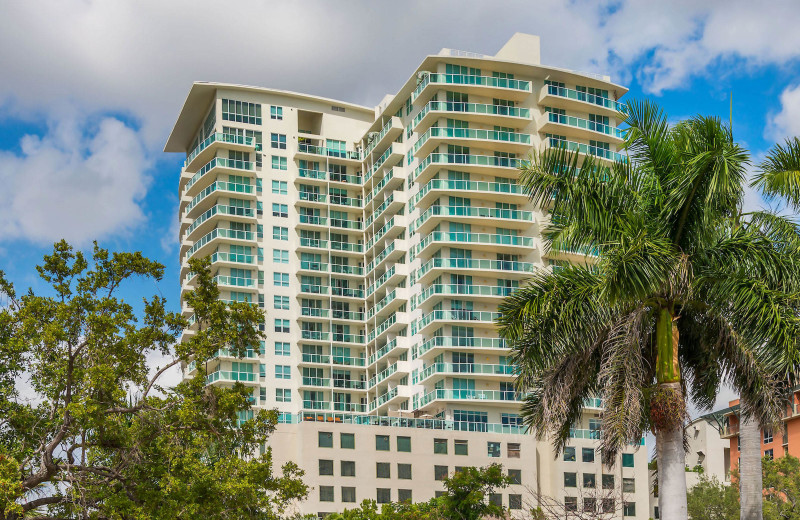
[348,468]
[629,509]
[280,210]
[570,503]
[628,485]
[325,467]
[404,444]
[515,501]
[277,113]
[589,480]
[569,454]
[439,472]
[404,471]
[280,256]
[769,454]
[440,446]
[326,493]
[627,460]
[460,448]
[515,475]
[608,481]
[277,141]
[496,499]
[513,450]
[493,449]
[281,302]
[280,233]
[570,480]
[608,505]
[280,187]
[281,348]
[382,442]
[347,441]
[348,494]
[325,439]
[283,395]
[383,470]
[281,325]
[767,435]
[404,495]
[589,505]
[279,163]
[384,495]
[587,454]
[241,112]
[283,372]
[280,280]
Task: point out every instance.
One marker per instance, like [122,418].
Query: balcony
[313,243]
[390,131]
[217,165]
[217,236]
[315,359]
[347,247]
[203,200]
[349,407]
[235,282]
[446,394]
[314,312]
[439,317]
[316,405]
[226,376]
[511,218]
[389,182]
[501,372]
[436,266]
[312,221]
[349,270]
[383,399]
[307,288]
[478,241]
[568,98]
[438,344]
[488,86]
[347,292]
[585,149]
[480,164]
[234,259]
[390,349]
[389,158]
[494,191]
[315,152]
[347,315]
[234,213]
[580,128]
[316,335]
[473,112]
[389,207]
[501,141]
[462,290]
[382,375]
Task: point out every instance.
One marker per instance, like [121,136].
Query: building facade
[380,241]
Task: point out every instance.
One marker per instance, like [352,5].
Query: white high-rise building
[380,242]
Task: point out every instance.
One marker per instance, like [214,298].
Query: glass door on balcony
[460,205]
[463,388]
[462,310]
[467,420]
[341,355]
[461,283]
[342,402]
[457,101]
[506,287]
[507,391]
[457,154]
[463,362]
[340,310]
[341,379]
[313,400]
[310,193]
[463,336]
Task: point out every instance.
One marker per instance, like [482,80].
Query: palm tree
[675,296]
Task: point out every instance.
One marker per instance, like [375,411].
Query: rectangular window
[569,454]
[382,443]
[404,471]
[589,505]
[280,210]
[276,112]
[403,495]
[384,495]
[281,348]
[281,325]
[348,468]
[628,485]
[608,481]
[770,454]
[403,444]
[515,501]
[325,439]
[283,395]
[280,187]
[627,460]
[587,454]
[241,112]
[460,448]
[513,450]
[439,472]
[493,448]
[280,233]
[283,372]
[325,467]
[496,499]
[280,256]
[348,494]
[347,441]
[279,163]
[326,493]
[515,475]
[281,302]
[608,505]
[570,480]
[589,480]
[629,509]
[280,280]
[383,470]
[767,435]
[440,446]
[570,504]
[277,141]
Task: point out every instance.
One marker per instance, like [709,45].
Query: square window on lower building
[627,460]
[404,495]
[570,503]
[629,509]
[513,450]
[325,439]
[496,499]
[493,449]
[608,505]
[587,454]
[440,446]
[347,441]
[384,495]
[628,485]
[326,493]
[382,442]
[348,494]
[439,494]
[515,501]
[383,470]
[439,472]
[515,475]
[404,471]
[460,448]
[589,480]
[325,467]
[569,454]
[403,444]
[348,468]
[608,481]
[570,480]
[589,505]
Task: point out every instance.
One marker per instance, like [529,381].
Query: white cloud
[78,181]
[786,122]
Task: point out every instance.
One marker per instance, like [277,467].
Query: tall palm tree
[677,299]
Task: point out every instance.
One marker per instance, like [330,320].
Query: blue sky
[90,89]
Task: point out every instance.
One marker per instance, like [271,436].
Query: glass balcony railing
[316,381]
[463,368]
[232,164]
[469,263]
[347,269]
[225,375]
[467,159]
[378,163]
[349,407]
[215,186]
[313,174]
[313,266]
[346,224]
[314,334]
[233,258]
[448,185]
[469,211]
[314,312]
[377,139]
[402,422]
[467,395]
[347,246]
[390,296]
[234,281]
[380,329]
[379,210]
[349,361]
[474,238]
[313,289]
[465,79]
[313,242]
[351,384]
[316,358]
[383,374]
[569,93]
[585,124]
[310,196]
[347,292]
[382,351]
[383,399]
[462,290]
[315,220]
[347,315]
[220,209]
[380,281]
[316,405]
[352,202]
[218,138]
[348,338]
[454,315]
[457,342]
[585,149]
[328,152]
[471,133]
[378,187]
[220,233]
[470,108]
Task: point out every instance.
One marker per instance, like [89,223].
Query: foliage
[95,435]
[782,488]
[712,500]
[465,498]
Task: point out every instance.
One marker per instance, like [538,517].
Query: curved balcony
[500,115]
[488,86]
[477,241]
[462,292]
[570,99]
[485,371]
[501,141]
[579,128]
[235,282]
[457,316]
[217,166]
[507,218]
[503,269]
[209,242]
[210,144]
[439,344]
[585,149]
[481,164]
[206,198]
[227,376]
[315,152]
[231,213]
[493,191]
[495,397]
[392,349]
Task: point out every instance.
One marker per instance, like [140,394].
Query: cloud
[786,122]
[79,181]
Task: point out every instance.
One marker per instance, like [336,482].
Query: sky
[89,89]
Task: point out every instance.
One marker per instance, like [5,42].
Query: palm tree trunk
[669,441]
[750,479]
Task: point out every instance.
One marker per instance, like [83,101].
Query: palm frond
[779,174]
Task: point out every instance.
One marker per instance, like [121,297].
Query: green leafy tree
[781,479]
[95,435]
[710,499]
[683,292]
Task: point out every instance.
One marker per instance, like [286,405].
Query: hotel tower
[379,242]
